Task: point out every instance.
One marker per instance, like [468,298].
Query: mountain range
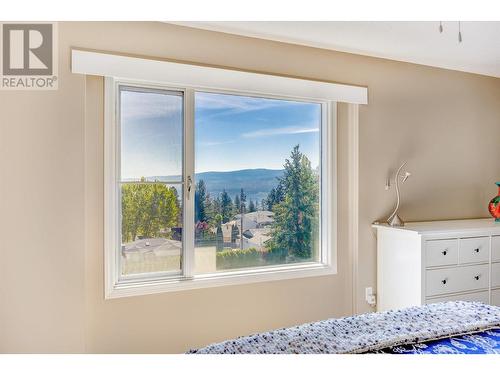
[255,182]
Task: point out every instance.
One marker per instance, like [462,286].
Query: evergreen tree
[243,201]
[234,233]
[219,237]
[296,216]
[226,206]
[213,208]
[280,192]
[237,204]
[251,206]
[200,197]
[275,196]
[267,201]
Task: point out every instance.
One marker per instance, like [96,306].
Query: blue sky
[151,128]
[231,133]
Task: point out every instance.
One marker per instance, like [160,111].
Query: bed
[448,327]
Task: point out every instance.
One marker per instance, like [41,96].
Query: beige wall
[445,123]
[42,305]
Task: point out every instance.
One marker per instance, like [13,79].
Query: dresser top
[433,227]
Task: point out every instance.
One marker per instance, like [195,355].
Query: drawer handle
[444,281]
[444,252]
[476,250]
[477,277]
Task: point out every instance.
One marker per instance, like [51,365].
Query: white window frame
[118,286]
[169,75]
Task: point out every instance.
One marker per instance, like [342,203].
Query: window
[211,187]
[169,125]
[151,175]
[257,171]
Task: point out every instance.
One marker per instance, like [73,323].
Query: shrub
[227,259]
[275,256]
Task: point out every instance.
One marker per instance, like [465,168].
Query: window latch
[189,185]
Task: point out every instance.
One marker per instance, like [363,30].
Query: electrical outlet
[370,297]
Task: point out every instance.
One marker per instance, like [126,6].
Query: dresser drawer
[495,297]
[441,253]
[495,275]
[474,297]
[474,250]
[456,280]
[495,248]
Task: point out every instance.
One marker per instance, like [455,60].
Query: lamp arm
[396,182]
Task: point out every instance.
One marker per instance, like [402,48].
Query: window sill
[130,289]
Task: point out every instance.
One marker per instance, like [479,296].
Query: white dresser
[426,262]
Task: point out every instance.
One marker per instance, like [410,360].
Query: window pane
[151,135]
[257,195]
[151,228]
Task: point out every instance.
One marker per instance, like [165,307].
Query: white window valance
[185,75]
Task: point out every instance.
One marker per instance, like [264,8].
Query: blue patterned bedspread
[487,342]
[440,327]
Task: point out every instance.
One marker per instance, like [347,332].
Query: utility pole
[241,227]
[242,212]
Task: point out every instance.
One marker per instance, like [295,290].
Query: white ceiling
[416,42]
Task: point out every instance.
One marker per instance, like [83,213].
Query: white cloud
[216,143]
[279,131]
[233,102]
[149,105]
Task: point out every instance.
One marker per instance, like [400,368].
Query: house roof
[259,236]
[258,216]
[152,244]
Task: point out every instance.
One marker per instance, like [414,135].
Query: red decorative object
[494,206]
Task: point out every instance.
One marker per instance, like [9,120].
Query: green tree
[237,204]
[200,197]
[251,206]
[212,208]
[219,237]
[178,204]
[226,206]
[234,233]
[148,210]
[275,196]
[296,216]
[242,201]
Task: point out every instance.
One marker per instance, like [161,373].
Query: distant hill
[256,182]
